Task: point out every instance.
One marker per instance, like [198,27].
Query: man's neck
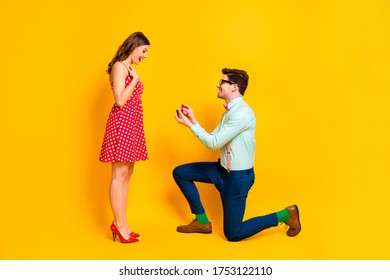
[231,98]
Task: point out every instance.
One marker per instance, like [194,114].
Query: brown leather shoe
[293,223]
[195,227]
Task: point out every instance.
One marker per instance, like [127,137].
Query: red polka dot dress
[124,139]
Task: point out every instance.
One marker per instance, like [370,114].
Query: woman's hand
[133,73]
[118,75]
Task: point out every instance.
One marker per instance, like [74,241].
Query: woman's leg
[121,173]
[125,194]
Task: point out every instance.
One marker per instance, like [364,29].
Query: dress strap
[127,67]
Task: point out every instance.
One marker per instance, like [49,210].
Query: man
[233,174]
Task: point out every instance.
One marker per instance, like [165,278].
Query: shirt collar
[234,102]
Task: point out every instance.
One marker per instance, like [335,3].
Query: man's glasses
[225,81]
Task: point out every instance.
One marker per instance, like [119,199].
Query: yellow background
[319,84]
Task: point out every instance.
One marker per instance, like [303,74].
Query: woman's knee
[121,173]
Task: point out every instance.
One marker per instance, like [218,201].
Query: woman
[124,139]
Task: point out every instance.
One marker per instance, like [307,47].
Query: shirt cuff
[196,129]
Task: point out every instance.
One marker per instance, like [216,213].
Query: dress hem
[107,161]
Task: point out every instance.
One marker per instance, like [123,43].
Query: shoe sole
[203,232]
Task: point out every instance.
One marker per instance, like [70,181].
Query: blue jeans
[233,188]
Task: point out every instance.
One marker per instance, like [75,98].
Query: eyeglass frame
[221,81]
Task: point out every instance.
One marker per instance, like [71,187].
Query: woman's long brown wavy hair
[128,46]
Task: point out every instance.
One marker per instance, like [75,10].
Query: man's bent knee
[232,236]
[176,172]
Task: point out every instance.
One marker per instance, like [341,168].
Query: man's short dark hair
[240,77]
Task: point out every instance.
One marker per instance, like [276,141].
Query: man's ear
[235,88]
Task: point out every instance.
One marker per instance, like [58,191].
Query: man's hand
[185,116]
[187,111]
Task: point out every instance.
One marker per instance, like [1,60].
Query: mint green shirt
[238,126]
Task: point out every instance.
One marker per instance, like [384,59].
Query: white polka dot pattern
[124,139]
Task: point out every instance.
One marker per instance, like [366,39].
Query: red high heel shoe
[133,234]
[115,232]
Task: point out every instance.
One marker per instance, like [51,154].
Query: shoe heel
[113,236]
[116,232]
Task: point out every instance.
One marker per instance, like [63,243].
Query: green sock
[283,216]
[202,219]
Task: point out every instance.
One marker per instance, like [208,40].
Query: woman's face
[139,53]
